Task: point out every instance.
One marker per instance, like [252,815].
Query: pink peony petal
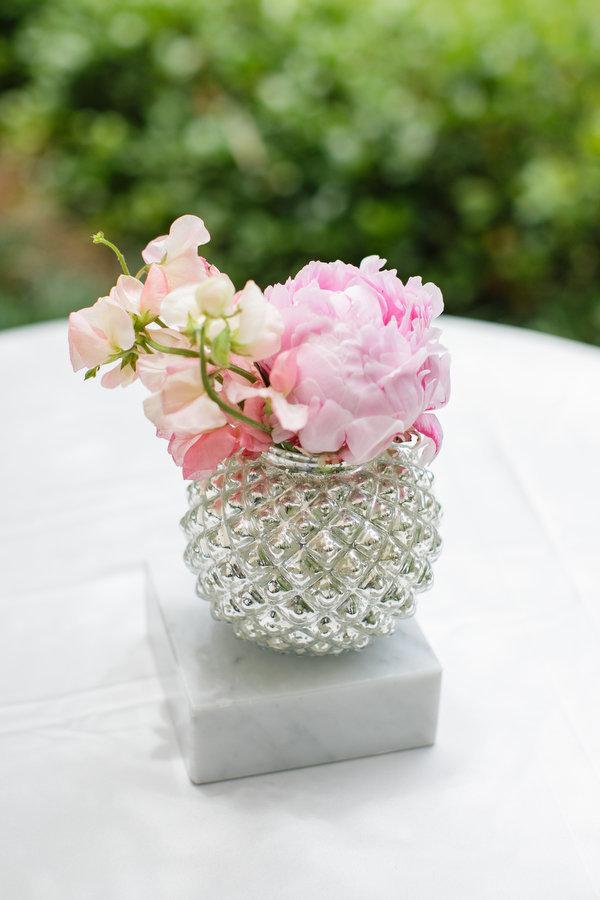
[368,437]
[429,426]
[284,371]
[325,431]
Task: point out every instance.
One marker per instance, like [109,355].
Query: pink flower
[200,454]
[106,328]
[119,376]
[198,432]
[213,296]
[181,405]
[431,431]
[177,252]
[256,326]
[138,297]
[98,332]
[413,299]
[200,435]
[348,356]
[361,354]
[290,416]
[152,367]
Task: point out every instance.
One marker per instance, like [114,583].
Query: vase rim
[314,463]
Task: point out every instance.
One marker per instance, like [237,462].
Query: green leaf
[91,373]
[221,346]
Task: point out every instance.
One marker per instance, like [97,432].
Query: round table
[94,796]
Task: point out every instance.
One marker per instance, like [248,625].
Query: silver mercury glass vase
[311,558]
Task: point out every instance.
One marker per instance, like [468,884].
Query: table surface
[95,800]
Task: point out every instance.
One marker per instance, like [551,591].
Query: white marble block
[240,709]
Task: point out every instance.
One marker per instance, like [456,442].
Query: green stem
[162,348]
[141,271]
[230,410]
[99,238]
[239,371]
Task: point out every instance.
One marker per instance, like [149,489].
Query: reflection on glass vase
[311,558]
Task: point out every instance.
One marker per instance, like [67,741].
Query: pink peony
[360,350]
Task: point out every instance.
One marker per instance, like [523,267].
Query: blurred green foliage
[459,140]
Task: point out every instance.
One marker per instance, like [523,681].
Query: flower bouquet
[303,417]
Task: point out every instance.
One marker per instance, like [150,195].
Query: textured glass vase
[317,559]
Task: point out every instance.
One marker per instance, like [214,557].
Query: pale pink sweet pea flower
[105,328]
[252,440]
[139,297]
[257,326]
[201,454]
[177,252]
[118,376]
[152,367]
[213,296]
[181,406]
[196,446]
[199,433]
[97,332]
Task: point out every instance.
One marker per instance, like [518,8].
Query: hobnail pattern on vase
[314,559]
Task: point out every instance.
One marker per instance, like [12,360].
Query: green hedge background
[460,140]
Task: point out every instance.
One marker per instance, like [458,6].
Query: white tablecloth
[94,799]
